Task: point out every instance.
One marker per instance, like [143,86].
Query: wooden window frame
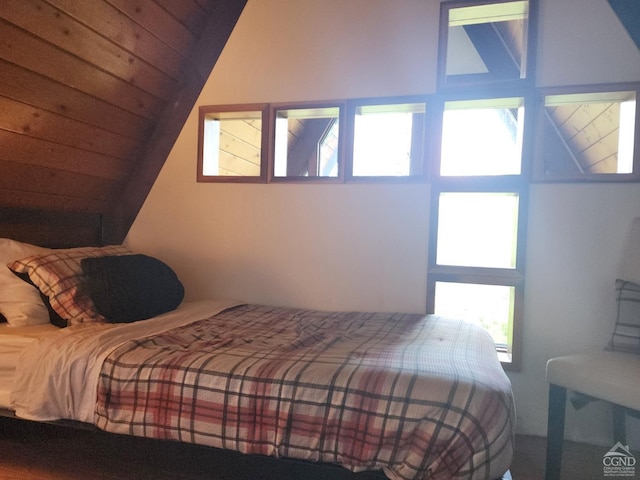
[264,147]
[518,184]
[481,275]
[473,81]
[421,159]
[345,149]
[538,160]
[273,109]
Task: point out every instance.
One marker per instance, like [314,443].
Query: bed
[412,396]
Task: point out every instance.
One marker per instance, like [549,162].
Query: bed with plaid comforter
[420,397]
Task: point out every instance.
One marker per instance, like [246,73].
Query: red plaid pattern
[419,397]
[58,276]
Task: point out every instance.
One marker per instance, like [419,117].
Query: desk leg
[555,431]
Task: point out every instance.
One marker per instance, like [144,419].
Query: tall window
[476,267]
[480,176]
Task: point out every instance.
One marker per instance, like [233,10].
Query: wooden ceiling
[93,94]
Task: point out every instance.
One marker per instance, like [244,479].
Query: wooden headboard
[51,229]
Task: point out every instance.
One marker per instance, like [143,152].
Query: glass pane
[490,306]
[307,142]
[482,137]
[486,43]
[387,140]
[231,143]
[477,229]
[588,134]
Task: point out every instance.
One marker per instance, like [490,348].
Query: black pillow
[128,288]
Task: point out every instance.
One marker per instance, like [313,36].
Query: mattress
[13,341]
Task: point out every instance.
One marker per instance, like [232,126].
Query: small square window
[307,142]
[485,43]
[586,136]
[388,140]
[482,137]
[490,306]
[231,143]
[477,229]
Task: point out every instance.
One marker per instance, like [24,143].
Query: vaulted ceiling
[93,94]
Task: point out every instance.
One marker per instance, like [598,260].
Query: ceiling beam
[493,51]
[628,11]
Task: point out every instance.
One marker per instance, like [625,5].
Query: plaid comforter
[421,397]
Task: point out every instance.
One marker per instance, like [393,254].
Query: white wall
[365,246]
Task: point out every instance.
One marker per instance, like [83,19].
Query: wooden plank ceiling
[93,94]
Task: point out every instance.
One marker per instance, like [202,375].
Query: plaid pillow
[626,335]
[59,278]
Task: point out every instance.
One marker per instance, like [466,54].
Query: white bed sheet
[13,341]
[58,377]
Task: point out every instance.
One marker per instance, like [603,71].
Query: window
[307,142]
[480,175]
[476,261]
[231,143]
[485,42]
[387,138]
[491,306]
[482,137]
[587,134]
[477,229]
[366,140]
[473,141]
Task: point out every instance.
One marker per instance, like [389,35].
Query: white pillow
[20,303]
